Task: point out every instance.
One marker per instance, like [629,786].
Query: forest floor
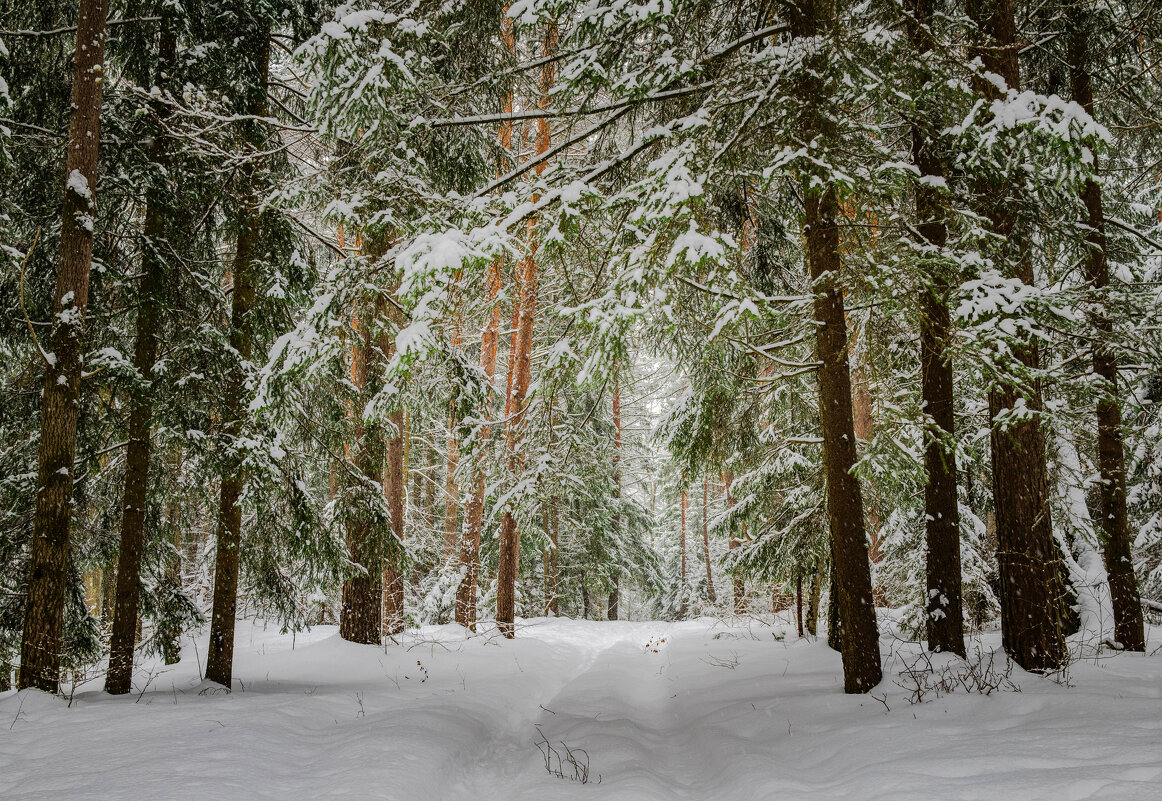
[652,711]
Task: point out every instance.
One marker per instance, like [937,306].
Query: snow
[80,185]
[695,710]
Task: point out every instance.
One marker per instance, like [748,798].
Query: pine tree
[40,651]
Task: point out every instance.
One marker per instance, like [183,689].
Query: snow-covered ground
[695,710]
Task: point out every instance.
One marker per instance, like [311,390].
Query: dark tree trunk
[944,618]
[40,646]
[834,617]
[1114,525]
[169,631]
[856,604]
[799,601]
[220,658]
[1032,580]
[614,599]
[119,679]
[360,616]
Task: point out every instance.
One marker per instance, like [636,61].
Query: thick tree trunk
[360,615]
[220,658]
[1031,577]
[509,556]
[614,600]
[119,678]
[811,22]
[706,540]
[855,603]
[1114,524]
[944,618]
[40,646]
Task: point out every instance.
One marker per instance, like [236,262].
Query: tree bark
[1129,629]
[393,578]
[170,633]
[40,646]
[220,658]
[360,615]
[489,345]
[814,596]
[944,616]
[682,552]
[706,540]
[509,556]
[1027,557]
[118,681]
[615,593]
[738,583]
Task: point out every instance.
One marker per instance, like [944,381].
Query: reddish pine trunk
[521,372]
[1114,524]
[40,646]
[489,345]
[1027,557]
[393,485]
[944,617]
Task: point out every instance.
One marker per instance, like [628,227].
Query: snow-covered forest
[556,393]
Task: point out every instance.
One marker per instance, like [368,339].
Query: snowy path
[666,712]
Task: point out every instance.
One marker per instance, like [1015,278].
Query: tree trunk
[682,552]
[1027,556]
[509,556]
[856,605]
[489,345]
[944,618]
[119,678]
[220,659]
[706,540]
[360,616]
[170,633]
[1115,530]
[615,593]
[814,596]
[393,485]
[40,646]
[738,583]
[799,601]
